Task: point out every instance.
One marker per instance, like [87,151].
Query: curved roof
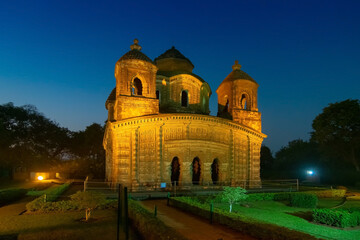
[238,74]
[173,53]
[174,73]
[135,54]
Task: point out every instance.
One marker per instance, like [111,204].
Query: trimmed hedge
[252,227]
[338,218]
[286,196]
[10,195]
[297,199]
[303,200]
[149,226]
[330,193]
[61,206]
[43,202]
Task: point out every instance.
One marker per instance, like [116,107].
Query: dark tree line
[30,140]
[333,149]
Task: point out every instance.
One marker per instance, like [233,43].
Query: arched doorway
[226,108]
[196,171]
[184,98]
[215,171]
[175,170]
[137,87]
[244,102]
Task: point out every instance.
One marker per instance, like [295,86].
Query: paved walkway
[191,226]
[15,208]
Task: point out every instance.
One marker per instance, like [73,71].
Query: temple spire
[136,45]
[236,66]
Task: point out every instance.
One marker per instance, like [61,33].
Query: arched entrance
[215,171]
[175,170]
[184,98]
[196,171]
[137,87]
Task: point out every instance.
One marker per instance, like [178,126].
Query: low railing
[173,187]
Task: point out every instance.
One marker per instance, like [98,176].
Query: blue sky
[60,55]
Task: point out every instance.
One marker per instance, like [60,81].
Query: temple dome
[238,74]
[135,53]
[173,60]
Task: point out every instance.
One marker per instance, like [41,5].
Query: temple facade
[159,129]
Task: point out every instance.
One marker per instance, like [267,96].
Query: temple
[159,129]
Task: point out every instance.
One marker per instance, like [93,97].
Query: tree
[233,195]
[87,147]
[266,161]
[295,158]
[337,131]
[30,139]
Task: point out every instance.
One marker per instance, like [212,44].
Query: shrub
[338,218]
[261,197]
[149,226]
[342,187]
[303,200]
[283,196]
[9,195]
[330,193]
[246,225]
[43,202]
[56,192]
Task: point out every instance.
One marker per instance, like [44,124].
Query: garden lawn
[329,202]
[280,214]
[53,226]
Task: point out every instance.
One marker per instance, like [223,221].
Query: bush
[283,196]
[342,187]
[9,195]
[76,203]
[246,225]
[330,193]
[149,226]
[43,202]
[337,218]
[56,192]
[261,197]
[303,200]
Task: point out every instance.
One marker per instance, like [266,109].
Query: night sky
[60,55]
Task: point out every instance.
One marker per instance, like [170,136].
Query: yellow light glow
[40,178]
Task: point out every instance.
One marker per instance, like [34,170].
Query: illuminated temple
[159,129]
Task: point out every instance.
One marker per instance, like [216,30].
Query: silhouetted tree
[293,160]
[87,147]
[266,161]
[29,139]
[337,131]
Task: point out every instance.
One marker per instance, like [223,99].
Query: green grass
[6,185]
[37,193]
[61,226]
[351,204]
[329,202]
[280,214]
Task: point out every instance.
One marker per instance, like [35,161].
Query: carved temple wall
[140,150]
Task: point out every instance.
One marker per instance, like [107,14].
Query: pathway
[15,208]
[191,226]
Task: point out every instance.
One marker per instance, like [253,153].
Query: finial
[236,66]
[173,47]
[135,46]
